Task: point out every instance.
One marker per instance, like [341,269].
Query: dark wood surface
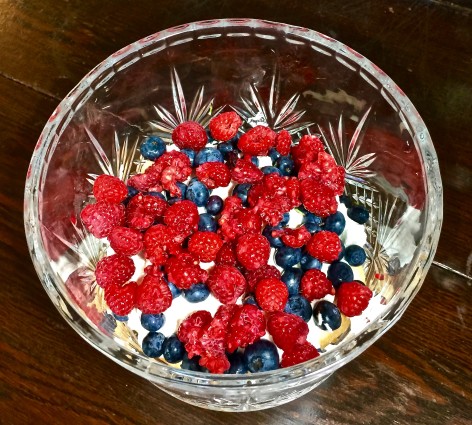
[418,373]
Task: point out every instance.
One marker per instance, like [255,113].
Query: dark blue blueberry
[214,205]
[152,322]
[303,210]
[274,242]
[196,293]
[261,356]
[241,190]
[335,223]
[291,277]
[173,349]
[250,299]
[269,169]
[255,161]
[312,218]
[207,223]
[236,361]
[355,255]
[299,305]
[274,155]
[346,201]
[287,256]
[153,344]
[308,262]
[286,165]
[174,290]
[152,148]
[339,272]
[208,155]
[327,316]
[191,364]
[132,191]
[210,136]
[191,155]
[285,219]
[120,318]
[234,140]
[225,148]
[343,251]
[198,193]
[161,195]
[358,214]
[312,227]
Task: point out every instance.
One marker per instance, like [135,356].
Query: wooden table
[419,373]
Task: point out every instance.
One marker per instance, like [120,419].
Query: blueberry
[346,201]
[255,161]
[358,214]
[191,155]
[174,290]
[261,356]
[355,255]
[299,305]
[241,191]
[274,155]
[312,218]
[287,256]
[208,155]
[269,169]
[291,277]
[152,322]
[339,272]
[198,193]
[207,223]
[225,148]
[173,349]
[303,210]
[132,191]
[343,250]
[285,219]
[308,262]
[152,148]
[286,165]
[161,195]
[312,227]
[214,205]
[236,361]
[191,364]
[335,223]
[153,344]
[327,316]
[274,241]
[250,299]
[120,318]
[183,193]
[196,293]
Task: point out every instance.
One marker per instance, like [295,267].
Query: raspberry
[101,218]
[228,224]
[298,353]
[215,364]
[190,135]
[214,174]
[121,299]
[246,172]
[325,171]
[264,272]
[287,329]
[170,168]
[283,142]
[114,270]
[137,215]
[271,294]
[159,242]
[126,241]
[325,246]
[294,238]
[225,126]
[307,149]
[318,199]
[153,295]
[109,189]
[246,326]
[293,189]
[315,285]
[184,270]
[152,205]
[257,141]
[226,256]
[205,245]
[272,208]
[143,182]
[353,298]
[154,270]
[247,221]
[191,329]
[226,283]
[252,251]
[182,217]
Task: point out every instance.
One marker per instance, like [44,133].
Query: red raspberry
[191,329]
[325,246]
[283,142]
[226,256]
[109,189]
[271,208]
[294,238]
[287,329]
[226,283]
[293,190]
[121,298]
[215,364]
[153,295]
[143,182]
[153,205]
[182,217]
[252,251]
[264,272]
[190,135]
[114,270]
[225,126]
[315,285]
[137,215]
[257,141]
[126,241]
[205,245]
[298,353]
[307,149]
[246,172]
[159,242]
[247,221]
[325,171]
[184,271]
[246,327]
[353,298]
[170,168]
[214,174]
[101,218]
[154,270]
[317,198]
[213,338]
[255,193]
[271,294]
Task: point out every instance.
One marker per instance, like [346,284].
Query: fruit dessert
[225,252]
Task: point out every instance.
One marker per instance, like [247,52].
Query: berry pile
[196,244]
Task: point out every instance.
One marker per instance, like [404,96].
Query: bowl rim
[321,366]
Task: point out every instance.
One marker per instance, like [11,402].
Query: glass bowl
[271,73]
